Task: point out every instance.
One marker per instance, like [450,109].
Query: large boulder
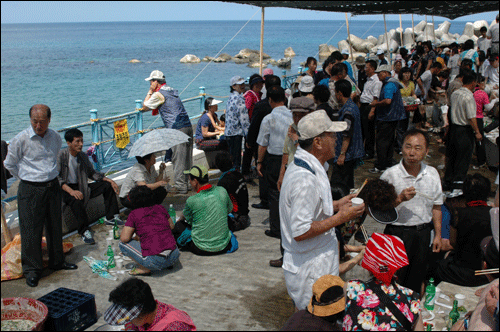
[225,56]
[468,29]
[240,61]
[444,27]
[343,44]
[478,25]
[220,59]
[408,36]
[357,43]
[190,58]
[372,40]
[246,53]
[134,61]
[420,27]
[207,59]
[325,50]
[429,32]
[289,52]
[284,63]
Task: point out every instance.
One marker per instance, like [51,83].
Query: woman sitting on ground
[154,247]
[207,128]
[135,307]
[367,303]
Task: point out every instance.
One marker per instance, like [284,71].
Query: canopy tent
[447,9]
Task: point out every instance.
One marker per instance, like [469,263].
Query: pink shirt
[151,225]
[168,318]
[481,99]
[251,98]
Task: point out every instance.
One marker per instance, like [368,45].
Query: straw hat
[360,60]
[328,296]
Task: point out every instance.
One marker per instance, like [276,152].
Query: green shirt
[207,213]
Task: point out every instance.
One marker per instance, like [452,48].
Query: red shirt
[481,99]
[251,98]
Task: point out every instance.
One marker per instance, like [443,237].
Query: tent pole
[401,27]
[412,30]
[387,43]
[433,31]
[261,40]
[426,28]
[348,36]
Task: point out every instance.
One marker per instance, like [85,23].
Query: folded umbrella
[156,141]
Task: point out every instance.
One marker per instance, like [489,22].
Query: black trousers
[159,195]
[368,127]
[180,226]
[39,206]
[248,154]
[263,192]
[386,137]
[79,210]
[344,174]
[234,143]
[272,173]
[448,270]
[417,244]
[480,150]
[458,155]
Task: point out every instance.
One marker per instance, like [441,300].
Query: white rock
[343,44]
[289,52]
[463,39]
[134,61]
[438,33]
[256,65]
[444,27]
[284,63]
[478,25]
[357,43]
[366,47]
[408,37]
[468,29]
[246,53]
[325,50]
[220,59]
[429,32]
[207,59]
[190,58]
[420,27]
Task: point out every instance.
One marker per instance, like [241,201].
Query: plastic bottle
[171,212]
[454,315]
[102,220]
[430,295]
[116,231]
[111,258]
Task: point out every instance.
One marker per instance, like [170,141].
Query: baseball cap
[237,80]
[155,75]
[446,49]
[316,123]
[345,51]
[215,102]
[302,104]
[383,68]
[118,314]
[256,80]
[306,84]
[379,51]
[328,296]
[267,71]
[197,171]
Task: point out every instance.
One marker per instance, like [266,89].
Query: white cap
[155,75]
[215,102]
[317,123]
[379,51]
[237,80]
[345,51]
[306,84]
[383,68]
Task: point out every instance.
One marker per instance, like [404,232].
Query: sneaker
[87,237]
[375,170]
[111,222]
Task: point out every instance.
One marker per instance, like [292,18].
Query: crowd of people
[306,143]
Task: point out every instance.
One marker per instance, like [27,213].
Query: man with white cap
[381,58]
[307,209]
[345,54]
[165,100]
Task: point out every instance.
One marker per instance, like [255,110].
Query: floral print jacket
[364,310]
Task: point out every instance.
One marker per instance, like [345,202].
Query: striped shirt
[463,107]
[34,158]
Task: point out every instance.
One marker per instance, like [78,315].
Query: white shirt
[371,89]
[492,74]
[303,199]
[34,158]
[137,173]
[453,65]
[72,169]
[418,210]
[463,107]
[493,33]
[483,44]
[426,82]
[274,129]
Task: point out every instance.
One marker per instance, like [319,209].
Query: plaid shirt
[161,313]
[237,121]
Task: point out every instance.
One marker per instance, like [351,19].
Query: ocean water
[76,67]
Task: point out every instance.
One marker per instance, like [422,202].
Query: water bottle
[454,315]
[111,258]
[116,231]
[171,212]
[430,295]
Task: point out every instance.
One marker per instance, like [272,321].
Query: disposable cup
[111,233]
[460,299]
[438,293]
[109,241]
[119,263]
[356,201]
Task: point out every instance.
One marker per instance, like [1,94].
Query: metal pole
[261,40]
[138,117]
[95,138]
[348,36]
[387,43]
[202,100]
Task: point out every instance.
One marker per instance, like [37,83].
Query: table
[441,313]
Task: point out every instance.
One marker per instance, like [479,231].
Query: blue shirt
[204,122]
[355,149]
[34,158]
[172,111]
[349,70]
[237,120]
[395,111]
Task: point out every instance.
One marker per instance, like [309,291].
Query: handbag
[386,300]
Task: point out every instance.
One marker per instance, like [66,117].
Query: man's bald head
[41,107]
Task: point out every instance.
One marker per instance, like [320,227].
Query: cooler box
[69,310]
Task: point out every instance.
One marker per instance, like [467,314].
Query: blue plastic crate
[69,310]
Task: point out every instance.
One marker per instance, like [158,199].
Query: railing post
[138,117]
[300,69]
[95,138]
[283,82]
[202,100]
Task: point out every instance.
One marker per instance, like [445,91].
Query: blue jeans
[133,250]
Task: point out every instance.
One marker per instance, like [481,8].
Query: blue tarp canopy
[447,9]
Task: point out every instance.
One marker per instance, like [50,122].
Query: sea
[76,67]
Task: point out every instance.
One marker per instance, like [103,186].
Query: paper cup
[356,201]
[438,293]
[109,241]
[460,299]
[111,233]
[119,263]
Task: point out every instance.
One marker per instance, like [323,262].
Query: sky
[115,11]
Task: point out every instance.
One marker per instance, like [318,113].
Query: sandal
[135,273]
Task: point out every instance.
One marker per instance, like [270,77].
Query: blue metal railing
[286,81]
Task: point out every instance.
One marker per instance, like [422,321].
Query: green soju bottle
[111,258]
[430,295]
[454,315]
[171,213]
[116,231]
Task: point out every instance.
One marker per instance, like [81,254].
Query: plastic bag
[99,267]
